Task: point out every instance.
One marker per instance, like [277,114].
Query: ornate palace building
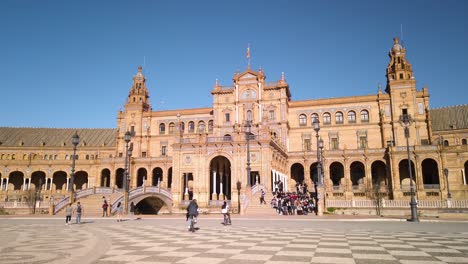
[203,152]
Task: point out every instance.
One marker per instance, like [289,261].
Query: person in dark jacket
[192,210]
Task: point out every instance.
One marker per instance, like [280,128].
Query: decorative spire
[217,86]
[283,79]
[398,69]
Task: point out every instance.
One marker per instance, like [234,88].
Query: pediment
[247,76]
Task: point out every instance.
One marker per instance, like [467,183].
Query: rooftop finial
[395,40]
[282,76]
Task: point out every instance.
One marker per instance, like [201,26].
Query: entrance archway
[404,174]
[336,173]
[59,180]
[142,175]
[15,180]
[105,178]
[81,180]
[220,178]
[313,172]
[37,180]
[157,176]
[357,172]
[119,178]
[465,174]
[297,173]
[430,172]
[379,174]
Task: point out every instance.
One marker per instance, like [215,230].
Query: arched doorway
[404,174]
[357,172]
[81,180]
[37,180]
[105,178]
[313,172]
[465,174]
[59,180]
[297,173]
[169,178]
[430,173]
[379,174]
[119,178]
[336,173]
[15,180]
[157,176]
[220,178]
[142,175]
[149,205]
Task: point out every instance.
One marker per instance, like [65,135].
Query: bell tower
[399,70]
[138,97]
[404,98]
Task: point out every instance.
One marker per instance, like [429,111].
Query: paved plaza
[248,241]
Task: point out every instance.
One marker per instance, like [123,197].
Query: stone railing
[397,203]
[15,204]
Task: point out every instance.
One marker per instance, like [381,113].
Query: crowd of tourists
[292,203]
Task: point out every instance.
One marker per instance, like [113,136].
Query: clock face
[249,94]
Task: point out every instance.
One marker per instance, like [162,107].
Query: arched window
[191,126]
[464,141]
[313,117]
[182,126]
[210,126]
[201,126]
[351,117]
[339,118]
[364,116]
[326,118]
[171,128]
[162,128]
[446,143]
[302,120]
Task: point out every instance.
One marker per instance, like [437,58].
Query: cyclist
[192,211]
[225,212]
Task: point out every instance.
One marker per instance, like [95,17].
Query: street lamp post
[71,188]
[319,181]
[127,138]
[247,135]
[238,185]
[446,173]
[405,121]
[322,179]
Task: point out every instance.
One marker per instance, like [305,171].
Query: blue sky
[70,64]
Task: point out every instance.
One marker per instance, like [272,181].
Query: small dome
[396,46]
[140,73]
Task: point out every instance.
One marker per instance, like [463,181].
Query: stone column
[1,184]
[214,194]
[68,183]
[7,182]
[24,184]
[221,194]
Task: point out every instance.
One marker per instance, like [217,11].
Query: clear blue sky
[70,63]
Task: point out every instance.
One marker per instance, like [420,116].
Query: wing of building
[254,136]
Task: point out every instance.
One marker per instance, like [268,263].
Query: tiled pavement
[166,244]
[246,242]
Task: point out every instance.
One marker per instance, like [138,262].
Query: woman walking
[119,212]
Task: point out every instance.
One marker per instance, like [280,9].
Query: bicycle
[192,224]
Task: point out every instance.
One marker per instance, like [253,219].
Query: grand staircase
[92,204]
[254,207]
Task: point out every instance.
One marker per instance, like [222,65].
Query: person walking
[79,212]
[68,214]
[104,208]
[225,212]
[262,197]
[119,212]
[192,210]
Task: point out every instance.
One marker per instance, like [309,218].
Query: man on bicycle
[192,211]
[225,212]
